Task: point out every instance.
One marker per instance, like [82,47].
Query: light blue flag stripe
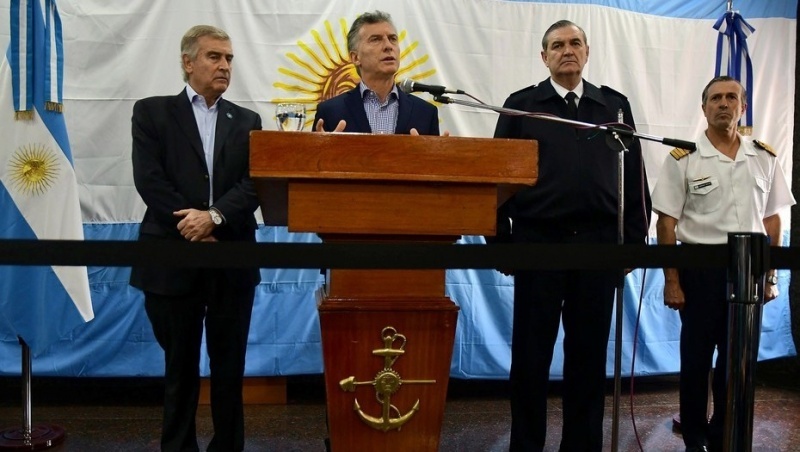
[54,55]
[21,54]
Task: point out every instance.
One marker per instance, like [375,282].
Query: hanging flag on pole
[38,187]
[733,58]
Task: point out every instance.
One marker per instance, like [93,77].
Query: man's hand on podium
[414,132]
[339,127]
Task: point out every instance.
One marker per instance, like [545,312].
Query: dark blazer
[170,173]
[413,112]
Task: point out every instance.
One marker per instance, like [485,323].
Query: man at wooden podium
[574,201]
[376,105]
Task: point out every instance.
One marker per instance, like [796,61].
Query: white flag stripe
[52,86]
[23,62]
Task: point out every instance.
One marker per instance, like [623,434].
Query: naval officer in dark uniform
[574,201]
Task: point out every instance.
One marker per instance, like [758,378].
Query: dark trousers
[704,326]
[583,301]
[178,326]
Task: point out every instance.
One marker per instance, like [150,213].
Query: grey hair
[190,47]
[562,24]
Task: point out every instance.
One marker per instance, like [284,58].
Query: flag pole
[29,437]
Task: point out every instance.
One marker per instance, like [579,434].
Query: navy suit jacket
[413,112]
[170,173]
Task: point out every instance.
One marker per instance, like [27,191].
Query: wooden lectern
[387,335]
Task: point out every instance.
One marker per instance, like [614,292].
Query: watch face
[215,217]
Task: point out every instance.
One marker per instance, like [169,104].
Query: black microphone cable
[639,309]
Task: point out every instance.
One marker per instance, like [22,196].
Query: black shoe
[697,449]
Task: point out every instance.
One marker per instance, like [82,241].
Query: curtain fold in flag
[733,58]
[38,187]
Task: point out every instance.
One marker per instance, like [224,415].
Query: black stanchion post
[749,261]
[29,437]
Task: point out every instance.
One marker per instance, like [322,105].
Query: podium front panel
[385,208]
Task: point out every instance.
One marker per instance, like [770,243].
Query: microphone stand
[615,135]
[619,131]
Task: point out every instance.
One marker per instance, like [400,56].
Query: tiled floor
[124,415]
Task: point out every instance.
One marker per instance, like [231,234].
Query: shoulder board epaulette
[679,153]
[765,146]
[527,88]
[607,90]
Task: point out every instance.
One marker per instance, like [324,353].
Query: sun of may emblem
[326,71]
[33,169]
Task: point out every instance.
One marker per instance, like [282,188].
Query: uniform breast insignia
[765,146]
[679,153]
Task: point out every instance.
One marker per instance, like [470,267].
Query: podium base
[43,436]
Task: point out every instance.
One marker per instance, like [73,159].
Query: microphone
[409,86]
[688,145]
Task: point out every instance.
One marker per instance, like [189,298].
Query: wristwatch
[772,280]
[216,217]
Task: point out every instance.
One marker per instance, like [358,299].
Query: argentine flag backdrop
[38,188]
[659,53]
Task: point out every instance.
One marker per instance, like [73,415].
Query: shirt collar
[192,94]
[563,91]
[708,149]
[363,89]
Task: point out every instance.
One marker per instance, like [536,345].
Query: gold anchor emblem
[386,382]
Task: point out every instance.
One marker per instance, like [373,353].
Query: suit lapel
[355,104]
[184,116]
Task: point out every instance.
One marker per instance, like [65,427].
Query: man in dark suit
[191,168]
[574,201]
[376,105]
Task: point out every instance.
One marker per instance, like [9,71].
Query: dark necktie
[572,107]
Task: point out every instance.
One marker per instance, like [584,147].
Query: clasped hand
[195,225]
